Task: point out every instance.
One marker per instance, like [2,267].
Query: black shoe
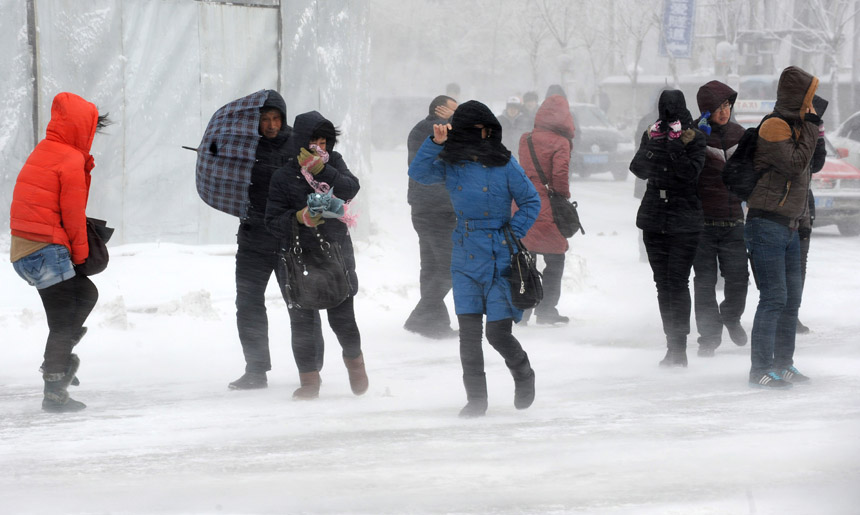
[474,408]
[674,358]
[250,381]
[793,375]
[769,381]
[737,333]
[802,329]
[706,352]
[551,319]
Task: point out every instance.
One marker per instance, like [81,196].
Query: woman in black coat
[313,160]
[670,157]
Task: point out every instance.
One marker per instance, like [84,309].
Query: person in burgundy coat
[552,139]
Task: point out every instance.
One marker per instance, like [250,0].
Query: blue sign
[676,38]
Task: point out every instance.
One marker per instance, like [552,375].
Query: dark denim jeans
[774,251]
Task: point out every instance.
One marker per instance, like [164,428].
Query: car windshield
[589,116]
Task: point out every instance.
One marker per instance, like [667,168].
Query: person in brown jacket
[785,146]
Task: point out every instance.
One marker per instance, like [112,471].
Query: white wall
[162,69]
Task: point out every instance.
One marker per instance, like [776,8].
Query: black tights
[307,336]
[67,306]
[498,334]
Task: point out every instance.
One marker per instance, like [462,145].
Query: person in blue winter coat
[482,179]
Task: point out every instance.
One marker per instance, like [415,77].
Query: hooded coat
[288,194]
[718,203]
[784,150]
[552,136]
[671,203]
[481,195]
[271,155]
[50,198]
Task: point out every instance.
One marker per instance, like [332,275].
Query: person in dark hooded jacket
[670,157]
[483,179]
[721,245]
[777,207]
[433,220]
[314,160]
[257,254]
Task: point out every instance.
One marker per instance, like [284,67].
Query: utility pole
[33,43]
[855,57]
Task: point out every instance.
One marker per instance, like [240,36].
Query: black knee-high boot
[501,338]
[472,360]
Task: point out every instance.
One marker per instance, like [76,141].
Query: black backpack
[739,174]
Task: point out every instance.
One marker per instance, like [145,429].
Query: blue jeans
[774,251]
[46,267]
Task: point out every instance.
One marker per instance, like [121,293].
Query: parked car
[598,145]
[846,139]
[836,188]
[837,193]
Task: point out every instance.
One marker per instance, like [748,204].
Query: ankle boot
[676,353]
[357,374]
[476,395]
[524,384]
[310,386]
[56,393]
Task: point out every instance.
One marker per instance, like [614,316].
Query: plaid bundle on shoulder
[226,155]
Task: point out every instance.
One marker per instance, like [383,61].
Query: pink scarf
[350,219]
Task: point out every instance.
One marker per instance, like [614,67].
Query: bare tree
[562,22]
[822,28]
[533,32]
[635,19]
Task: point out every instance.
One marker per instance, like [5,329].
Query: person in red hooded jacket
[49,237]
[552,139]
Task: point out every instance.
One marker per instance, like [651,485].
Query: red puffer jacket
[552,138]
[50,198]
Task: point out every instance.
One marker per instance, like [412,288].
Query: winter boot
[357,374]
[72,369]
[676,353]
[250,381]
[56,394]
[310,388]
[551,318]
[737,333]
[476,395]
[524,384]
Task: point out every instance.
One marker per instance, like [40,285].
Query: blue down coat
[480,260]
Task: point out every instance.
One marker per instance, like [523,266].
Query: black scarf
[464,141]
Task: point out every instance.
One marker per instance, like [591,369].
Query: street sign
[677,30]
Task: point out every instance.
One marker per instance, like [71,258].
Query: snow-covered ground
[609,432]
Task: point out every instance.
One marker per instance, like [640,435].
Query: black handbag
[316,277]
[98,234]
[564,212]
[526,286]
